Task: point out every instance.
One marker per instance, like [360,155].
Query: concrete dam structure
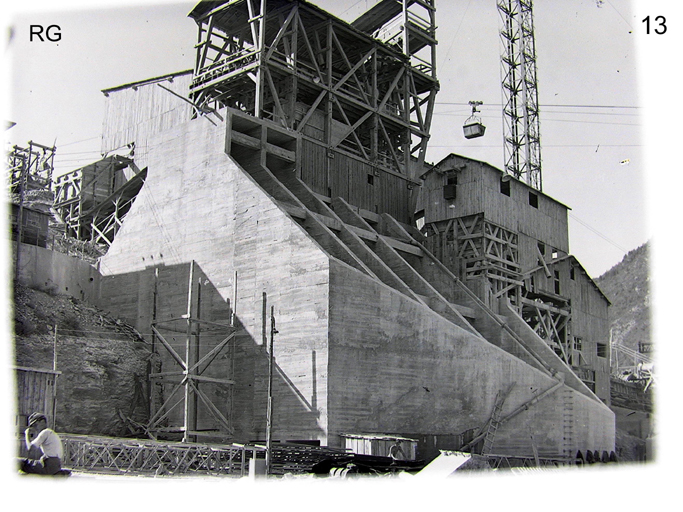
[284,206]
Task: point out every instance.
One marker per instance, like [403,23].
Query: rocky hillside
[103,362]
[627,286]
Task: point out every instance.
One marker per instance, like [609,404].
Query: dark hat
[35,417]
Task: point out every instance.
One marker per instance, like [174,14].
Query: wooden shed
[36,392]
[34,224]
[378,444]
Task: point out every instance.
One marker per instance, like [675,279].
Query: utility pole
[23,180]
[269,413]
[54,386]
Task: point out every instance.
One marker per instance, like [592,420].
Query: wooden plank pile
[294,458]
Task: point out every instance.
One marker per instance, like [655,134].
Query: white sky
[587,55]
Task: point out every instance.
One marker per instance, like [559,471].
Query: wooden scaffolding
[185,384]
[366,89]
[92,201]
[477,249]
[30,167]
[486,256]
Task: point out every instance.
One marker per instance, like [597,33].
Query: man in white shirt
[395,450]
[38,436]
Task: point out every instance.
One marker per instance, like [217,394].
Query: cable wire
[604,237]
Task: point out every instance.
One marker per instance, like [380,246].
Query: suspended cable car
[473,127]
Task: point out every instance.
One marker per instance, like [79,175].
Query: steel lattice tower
[522,147]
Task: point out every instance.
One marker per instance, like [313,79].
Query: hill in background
[627,286]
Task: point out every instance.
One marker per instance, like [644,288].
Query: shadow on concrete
[234,390]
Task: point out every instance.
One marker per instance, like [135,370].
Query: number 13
[661,28]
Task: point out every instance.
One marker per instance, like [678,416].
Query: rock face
[103,362]
[627,286]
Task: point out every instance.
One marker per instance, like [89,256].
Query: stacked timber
[291,458]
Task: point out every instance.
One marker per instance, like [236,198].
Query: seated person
[39,437]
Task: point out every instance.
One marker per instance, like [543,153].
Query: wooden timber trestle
[142,456]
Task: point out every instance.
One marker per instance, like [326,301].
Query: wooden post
[190,416]
[54,384]
[234,300]
[150,365]
[20,217]
[269,414]
[261,43]
[54,351]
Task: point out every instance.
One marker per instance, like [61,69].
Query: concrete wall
[56,272]
[197,204]
[351,354]
[400,368]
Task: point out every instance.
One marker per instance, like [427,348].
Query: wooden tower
[355,101]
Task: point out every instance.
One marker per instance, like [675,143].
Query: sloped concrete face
[351,354]
[397,367]
[198,205]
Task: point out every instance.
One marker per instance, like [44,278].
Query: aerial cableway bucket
[473,127]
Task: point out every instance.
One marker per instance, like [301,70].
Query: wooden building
[34,225]
[379,445]
[509,242]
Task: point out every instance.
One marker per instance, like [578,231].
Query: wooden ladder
[568,434]
[494,421]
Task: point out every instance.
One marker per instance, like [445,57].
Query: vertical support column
[233,313]
[432,20]
[407,143]
[294,48]
[54,381]
[269,414]
[328,107]
[522,150]
[406,33]
[374,101]
[191,346]
[407,132]
[20,218]
[260,46]
[151,407]
[198,55]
